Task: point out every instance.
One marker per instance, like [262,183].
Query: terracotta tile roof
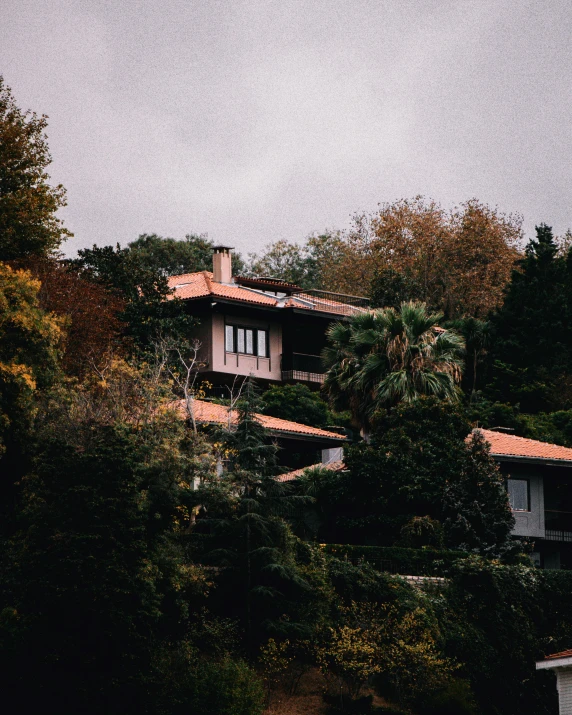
[209,412]
[563,654]
[501,444]
[190,285]
[509,445]
[201,285]
[290,476]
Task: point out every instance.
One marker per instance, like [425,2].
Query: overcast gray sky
[254,120]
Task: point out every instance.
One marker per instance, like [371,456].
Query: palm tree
[391,355]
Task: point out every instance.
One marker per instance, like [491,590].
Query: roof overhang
[321,439]
[554,663]
[285,434]
[313,313]
[545,461]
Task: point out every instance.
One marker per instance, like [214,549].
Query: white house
[561,664]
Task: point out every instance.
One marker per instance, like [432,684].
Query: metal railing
[301,367]
[555,535]
[339,303]
[357,300]
[558,520]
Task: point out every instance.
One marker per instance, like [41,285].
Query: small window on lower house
[518,494]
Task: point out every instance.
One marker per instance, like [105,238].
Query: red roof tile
[501,444]
[563,654]
[208,412]
[201,285]
[290,476]
[508,445]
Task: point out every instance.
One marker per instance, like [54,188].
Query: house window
[229,338]
[240,340]
[518,494]
[261,341]
[248,341]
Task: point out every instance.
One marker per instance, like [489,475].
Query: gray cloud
[257,120]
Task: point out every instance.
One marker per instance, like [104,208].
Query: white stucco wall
[564,685]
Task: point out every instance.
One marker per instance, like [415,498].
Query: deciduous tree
[90,312]
[28,202]
[29,361]
[171,257]
[150,309]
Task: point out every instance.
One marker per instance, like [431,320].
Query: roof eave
[554,663]
[546,461]
[338,439]
[273,432]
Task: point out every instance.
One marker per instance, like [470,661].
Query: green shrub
[227,687]
[456,698]
[422,531]
[398,560]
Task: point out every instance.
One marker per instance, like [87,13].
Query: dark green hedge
[397,560]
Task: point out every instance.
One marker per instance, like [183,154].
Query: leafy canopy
[418,463]
[297,403]
[171,257]
[28,203]
[29,353]
[149,309]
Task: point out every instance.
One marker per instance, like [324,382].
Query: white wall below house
[564,685]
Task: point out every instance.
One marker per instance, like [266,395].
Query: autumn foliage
[93,327]
[28,203]
[457,261]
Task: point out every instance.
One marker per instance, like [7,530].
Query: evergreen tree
[251,537]
[297,403]
[91,577]
[531,354]
[475,510]
[417,464]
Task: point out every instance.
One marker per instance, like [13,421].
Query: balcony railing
[303,368]
[337,303]
[558,525]
[555,535]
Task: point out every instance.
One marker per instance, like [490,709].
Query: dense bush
[418,463]
[226,687]
[398,560]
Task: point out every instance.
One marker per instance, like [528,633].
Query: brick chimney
[222,264]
